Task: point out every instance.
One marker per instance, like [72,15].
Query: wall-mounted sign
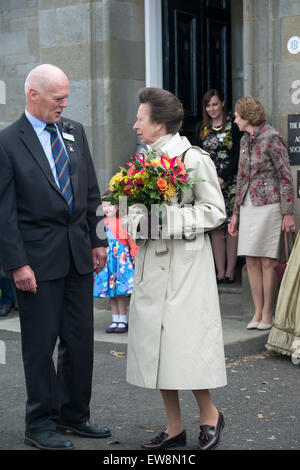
[294,138]
[293,45]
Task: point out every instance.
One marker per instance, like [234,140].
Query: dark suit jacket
[35,225]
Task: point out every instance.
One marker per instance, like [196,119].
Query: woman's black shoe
[210,435]
[162,442]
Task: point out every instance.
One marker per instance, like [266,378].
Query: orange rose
[162,185]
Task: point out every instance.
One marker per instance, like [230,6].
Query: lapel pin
[70,147]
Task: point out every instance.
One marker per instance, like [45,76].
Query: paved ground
[260,403]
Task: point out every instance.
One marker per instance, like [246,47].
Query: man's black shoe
[84,430]
[5,309]
[47,440]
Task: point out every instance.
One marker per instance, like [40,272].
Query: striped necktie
[62,165]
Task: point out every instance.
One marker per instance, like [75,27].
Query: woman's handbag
[280,267]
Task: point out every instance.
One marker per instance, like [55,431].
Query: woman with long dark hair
[220,137]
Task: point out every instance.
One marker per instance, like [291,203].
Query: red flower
[131,170]
[127,190]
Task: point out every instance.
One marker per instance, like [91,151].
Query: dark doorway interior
[196,52]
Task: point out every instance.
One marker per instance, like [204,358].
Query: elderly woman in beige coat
[175,333]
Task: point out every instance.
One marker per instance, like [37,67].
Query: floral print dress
[219,145]
[116,278]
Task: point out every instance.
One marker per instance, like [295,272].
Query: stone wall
[100,46]
[270,70]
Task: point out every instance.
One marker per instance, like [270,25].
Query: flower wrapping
[150,179]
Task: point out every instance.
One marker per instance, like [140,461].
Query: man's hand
[99,258]
[24,279]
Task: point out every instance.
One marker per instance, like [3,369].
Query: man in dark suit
[48,201]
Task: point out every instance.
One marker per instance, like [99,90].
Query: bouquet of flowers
[150,179]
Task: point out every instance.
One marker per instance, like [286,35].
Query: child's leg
[122,307]
[114,306]
[115,316]
[121,304]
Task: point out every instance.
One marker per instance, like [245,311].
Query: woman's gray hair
[251,109]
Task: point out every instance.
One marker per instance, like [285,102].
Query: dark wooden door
[196,53]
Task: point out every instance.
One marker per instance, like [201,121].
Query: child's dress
[116,278]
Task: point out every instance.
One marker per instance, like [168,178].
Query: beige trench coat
[175,334]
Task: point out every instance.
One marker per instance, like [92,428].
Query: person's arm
[208,209]
[288,223]
[13,254]
[133,247]
[95,217]
[233,226]
[233,154]
[239,180]
[12,250]
[280,159]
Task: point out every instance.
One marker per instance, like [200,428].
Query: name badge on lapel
[68,136]
[221,136]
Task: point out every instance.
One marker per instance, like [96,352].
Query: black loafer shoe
[47,440]
[84,430]
[210,435]
[162,442]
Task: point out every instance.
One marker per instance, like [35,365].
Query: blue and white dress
[116,278]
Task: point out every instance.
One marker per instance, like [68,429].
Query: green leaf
[196,180]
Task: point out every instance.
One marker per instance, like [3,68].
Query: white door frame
[153,43]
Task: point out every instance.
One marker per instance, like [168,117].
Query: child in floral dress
[116,278]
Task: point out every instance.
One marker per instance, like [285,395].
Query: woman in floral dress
[220,137]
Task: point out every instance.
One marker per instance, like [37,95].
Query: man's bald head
[41,77]
[47,88]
